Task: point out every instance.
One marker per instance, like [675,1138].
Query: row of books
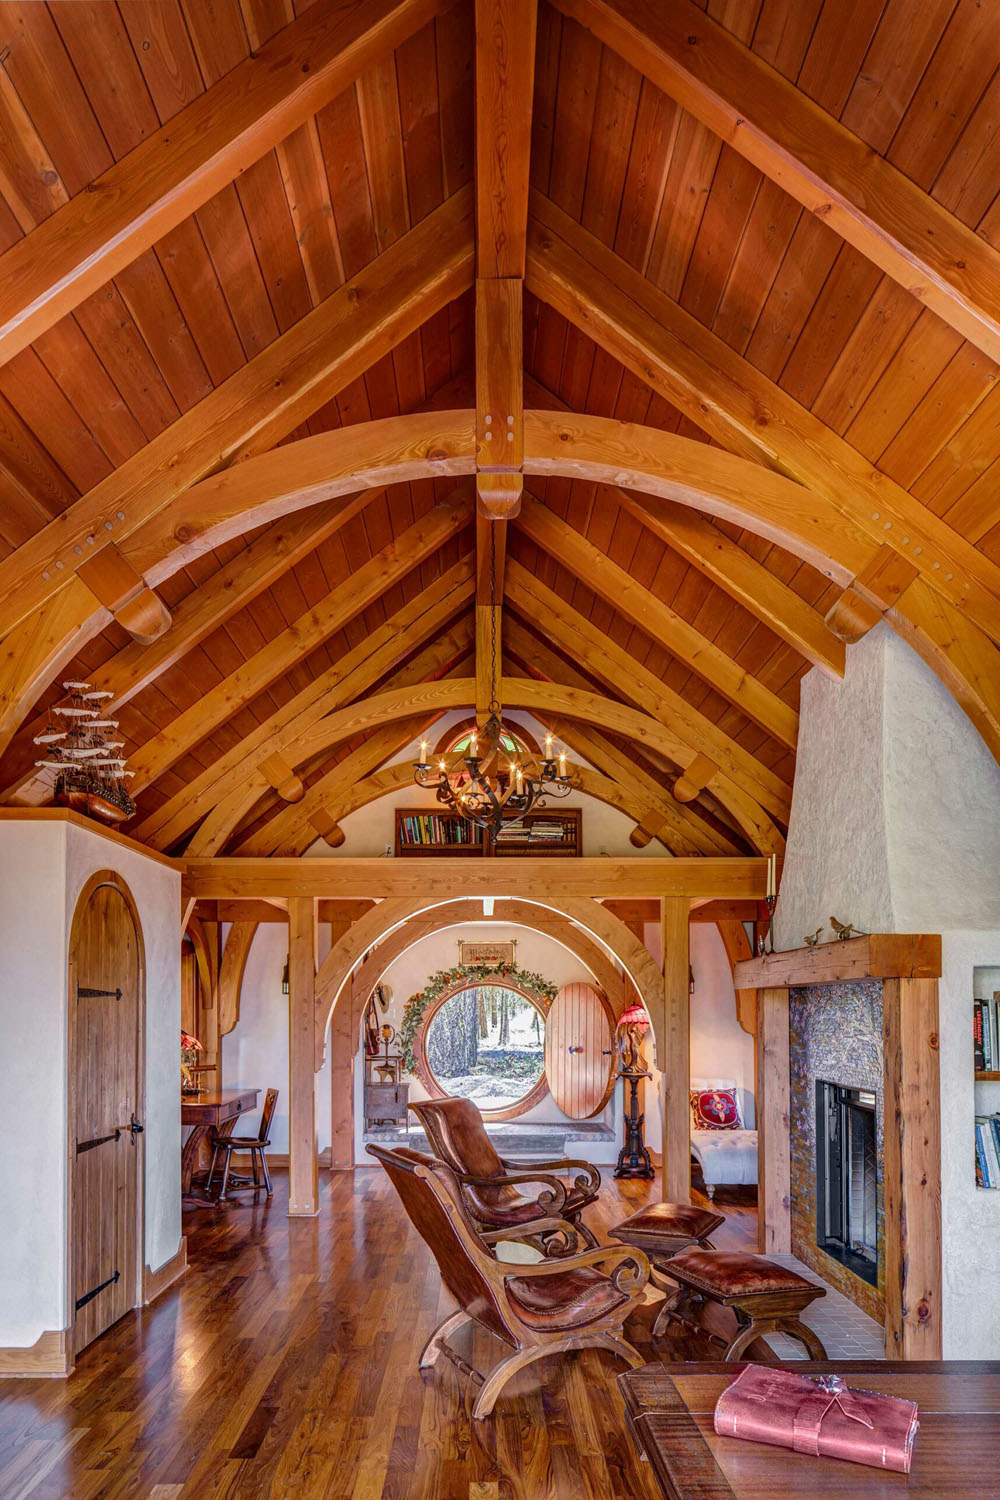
[986,1035]
[542,833]
[437,828]
[988,1151]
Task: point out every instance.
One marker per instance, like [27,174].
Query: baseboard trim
[47,1358]
[241,1159]
[156,1282]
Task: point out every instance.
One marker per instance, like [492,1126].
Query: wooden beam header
[878,955]
[450,878]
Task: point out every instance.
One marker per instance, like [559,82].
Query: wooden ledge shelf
[879,955]
[986,1076]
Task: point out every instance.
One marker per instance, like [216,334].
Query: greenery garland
[414,1008]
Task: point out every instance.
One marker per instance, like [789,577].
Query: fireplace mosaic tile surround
[835,1034]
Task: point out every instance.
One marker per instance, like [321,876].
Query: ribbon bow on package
[822,1417]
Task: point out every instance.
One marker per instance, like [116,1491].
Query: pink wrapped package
[822,1416]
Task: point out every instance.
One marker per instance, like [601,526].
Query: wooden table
[956,1453]
[206,1112]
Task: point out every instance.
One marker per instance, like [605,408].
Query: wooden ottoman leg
[796,1329]
[746,1336]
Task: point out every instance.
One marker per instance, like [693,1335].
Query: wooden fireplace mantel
[908,966]
[877,955]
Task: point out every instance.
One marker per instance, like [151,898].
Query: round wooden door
[579,1056]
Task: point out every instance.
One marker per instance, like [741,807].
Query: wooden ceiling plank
[744,411]
[363,665]
[691,734]
[658,620]
[777,127]
[258,405]
[299,639]
[181,165]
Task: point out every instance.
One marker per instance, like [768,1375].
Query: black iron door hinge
[83,992]
[96,1291]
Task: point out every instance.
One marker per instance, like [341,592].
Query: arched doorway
[106,1106]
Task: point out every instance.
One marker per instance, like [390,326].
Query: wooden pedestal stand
[633,1158]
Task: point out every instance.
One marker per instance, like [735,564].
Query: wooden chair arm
[534,1226]
[566,1164]
[551,1199]
[630,1282]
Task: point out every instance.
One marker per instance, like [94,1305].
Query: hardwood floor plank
[284,1367]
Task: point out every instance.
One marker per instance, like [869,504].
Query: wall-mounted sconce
[284,978]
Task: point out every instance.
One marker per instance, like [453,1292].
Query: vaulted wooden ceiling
[766,227]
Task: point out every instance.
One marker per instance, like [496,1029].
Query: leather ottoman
[664,1228]
[765,1297]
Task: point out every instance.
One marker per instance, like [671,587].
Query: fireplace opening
[846,1180]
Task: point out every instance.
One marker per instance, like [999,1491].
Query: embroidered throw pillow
[715,1109]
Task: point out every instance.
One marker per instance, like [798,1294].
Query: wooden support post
[303,1184]
[343,1046]
[774,1191]
[912,1168]
[676,1166]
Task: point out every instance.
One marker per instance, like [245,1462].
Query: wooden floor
[284,1365]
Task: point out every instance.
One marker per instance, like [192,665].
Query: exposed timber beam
[290,830]
[521,878]
[251,411]
[694,537]
[630,599]
[180,166]
[691,733]
[698,372]
[491,558]
[723,561]
[505,75]
[207,607]
[939,260]
[344,603]
[423,618]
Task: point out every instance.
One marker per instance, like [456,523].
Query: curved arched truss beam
[841,539]
[541,698]
[231,971]
[463,913]
[290,832]
[333,979]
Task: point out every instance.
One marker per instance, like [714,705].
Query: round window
[487,1044]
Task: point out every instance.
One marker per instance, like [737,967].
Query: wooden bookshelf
[429,831]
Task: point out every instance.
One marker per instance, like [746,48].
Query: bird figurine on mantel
[812,938]
[845,930]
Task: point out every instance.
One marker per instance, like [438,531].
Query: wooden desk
[957,1450]
[206,1112]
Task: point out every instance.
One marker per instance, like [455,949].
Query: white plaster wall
[720,1048]
[895,826]
[33,957]
[255,1053]
[43,867]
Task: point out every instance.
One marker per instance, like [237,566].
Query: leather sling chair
[491,1184]
[536,1310]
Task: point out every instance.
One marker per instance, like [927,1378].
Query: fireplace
[847,1178]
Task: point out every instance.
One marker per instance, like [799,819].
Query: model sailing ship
[90,773]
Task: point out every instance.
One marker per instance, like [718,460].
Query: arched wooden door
[106,1008]
[579,1056]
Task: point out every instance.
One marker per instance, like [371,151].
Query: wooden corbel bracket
[877,589]
[283,778]
[114,582]
[327,827]
[499,397]
[695,779]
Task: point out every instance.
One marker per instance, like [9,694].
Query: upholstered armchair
[499,1192]
[578,1302]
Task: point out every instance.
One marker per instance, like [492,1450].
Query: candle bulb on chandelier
[548,747]
[562,762]
[423,752]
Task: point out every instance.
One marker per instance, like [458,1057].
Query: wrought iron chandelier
[487,785]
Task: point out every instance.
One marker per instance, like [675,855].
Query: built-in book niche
[986,1063]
